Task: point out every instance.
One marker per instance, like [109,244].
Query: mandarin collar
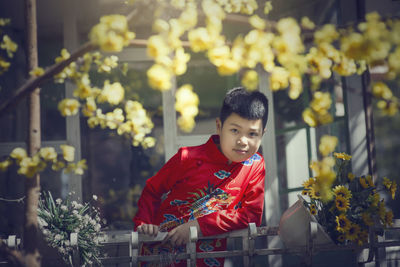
[217,155]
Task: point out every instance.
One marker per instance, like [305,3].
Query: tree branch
[18,200]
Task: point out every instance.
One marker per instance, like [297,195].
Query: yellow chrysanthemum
[390,185]
[342,223]
[351,176]
[363,182]
[389,218]
[367,219]
[307,184]
[28,167]
[342,204]
[352,232]
[343,191]
[342,156]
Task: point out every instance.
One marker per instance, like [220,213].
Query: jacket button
[199,162]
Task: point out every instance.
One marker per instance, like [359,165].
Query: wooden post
[32,185]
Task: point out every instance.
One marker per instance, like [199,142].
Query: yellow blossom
[257,22]
[296,86]
[228,67]
[279,79]
[327,144]
[200,39]
[18,154]
[160,26]
[381,90]
[68,152]
[112,93]
[342,156]
[310,117]
[267,7]
[250,80]
[8,45]
[186,123]
[28,167]
[327,33]
[4,165]
[68,107]
[180,60]
[57,165]
[90,107]
[159,77]
[321,102]
[112,33]
[157,47]
[37,72]
[307,23]
[48,153]
[108,64]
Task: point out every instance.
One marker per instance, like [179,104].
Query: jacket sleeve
[250,210]
[161,183]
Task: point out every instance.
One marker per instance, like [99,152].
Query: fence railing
[376,250]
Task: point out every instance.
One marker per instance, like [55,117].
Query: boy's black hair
[249,105]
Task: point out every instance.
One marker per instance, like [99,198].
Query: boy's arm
[251,209]
[150,199]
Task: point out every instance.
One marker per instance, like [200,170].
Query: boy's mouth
[240,151]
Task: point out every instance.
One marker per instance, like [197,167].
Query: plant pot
[294,226]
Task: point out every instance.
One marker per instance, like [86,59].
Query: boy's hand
[148,229]
[180,234]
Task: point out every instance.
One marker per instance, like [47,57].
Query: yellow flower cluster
[8,45]
[239,6]
[387,102]
[166,48]
[30,166]
[318,112]
[112,33]
[186,104]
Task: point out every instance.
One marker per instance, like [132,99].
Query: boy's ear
[218,125]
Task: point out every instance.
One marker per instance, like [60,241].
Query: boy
[216,187]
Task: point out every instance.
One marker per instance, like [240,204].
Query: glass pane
[387,132]
[211,89]
[117,171]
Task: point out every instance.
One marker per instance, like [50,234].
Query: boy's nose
[242,140]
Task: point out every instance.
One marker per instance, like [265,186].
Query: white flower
[66,243]
[42,223]
[75,212]
[95,197]
[64,208]
[58,201]
[58,237]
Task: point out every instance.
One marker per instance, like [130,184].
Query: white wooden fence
[376,251]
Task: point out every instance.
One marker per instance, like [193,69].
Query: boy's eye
[253,134]
[234,130]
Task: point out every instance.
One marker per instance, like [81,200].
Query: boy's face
[239,138]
